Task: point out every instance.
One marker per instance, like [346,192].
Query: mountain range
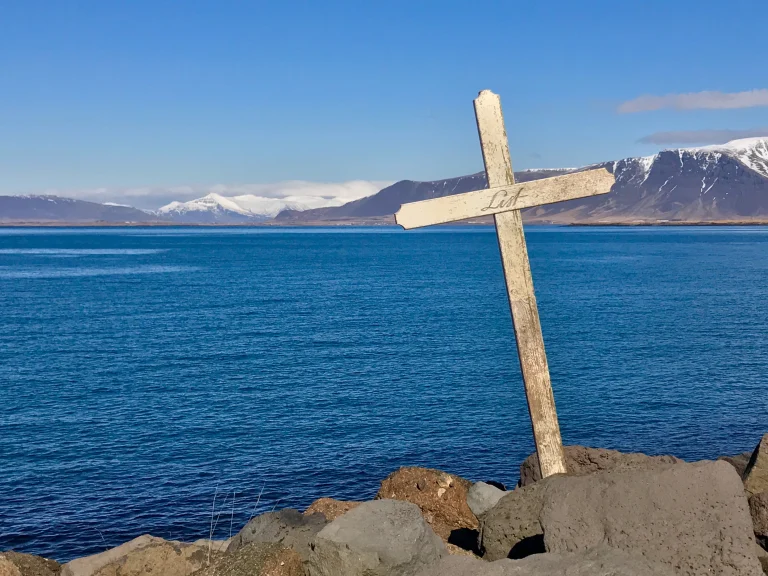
[216,208]
[722,183]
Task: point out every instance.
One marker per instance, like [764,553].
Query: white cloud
[697,100]
[311,194]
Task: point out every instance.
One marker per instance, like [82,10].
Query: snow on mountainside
[712,183]
[752,152]
[215,208]
[727,182]
[209,209]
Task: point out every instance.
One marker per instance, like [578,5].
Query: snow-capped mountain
[727,182]
[712,183]
[752,152]
[215,208]
[212,208]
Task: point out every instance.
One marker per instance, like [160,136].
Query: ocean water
[145,372]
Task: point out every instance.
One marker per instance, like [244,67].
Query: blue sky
[160,94]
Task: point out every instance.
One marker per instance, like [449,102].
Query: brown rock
[459,551]
[758,507]
[581,460]
[17,564]
[146,555]
[257,559]
[330,508]
[441,497]
[756,474]
[8,568]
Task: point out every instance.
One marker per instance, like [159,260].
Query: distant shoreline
[654,224]
[363,224]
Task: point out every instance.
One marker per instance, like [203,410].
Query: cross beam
[504,199]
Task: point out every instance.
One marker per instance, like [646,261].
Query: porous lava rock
[257,559]
[580,460]
[289,528]
[693,518]
[511,529]
[146,555]
[756,473]
[330,508]
[379,538]
[441,497]
[18,564]
[601,561]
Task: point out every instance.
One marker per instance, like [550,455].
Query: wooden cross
[504,199]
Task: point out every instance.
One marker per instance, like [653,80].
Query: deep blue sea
[145,371]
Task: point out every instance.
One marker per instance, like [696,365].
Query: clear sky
[155,94]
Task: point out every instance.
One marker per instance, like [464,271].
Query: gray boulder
[756,474]
[601,561]
[511,529]
[758,507]
[379,538]
[481,497]
[289,528]
[691,517]
[739,461]
[762,555]
[580,460]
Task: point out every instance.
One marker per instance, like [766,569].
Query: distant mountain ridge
[217,208]
[387,201]
[210,209]
[56,209]
[726,182]
[714,183]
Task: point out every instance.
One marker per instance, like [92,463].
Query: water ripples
[167,365]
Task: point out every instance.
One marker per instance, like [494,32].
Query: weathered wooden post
[504,199]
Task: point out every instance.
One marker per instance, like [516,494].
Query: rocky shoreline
[613,514]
